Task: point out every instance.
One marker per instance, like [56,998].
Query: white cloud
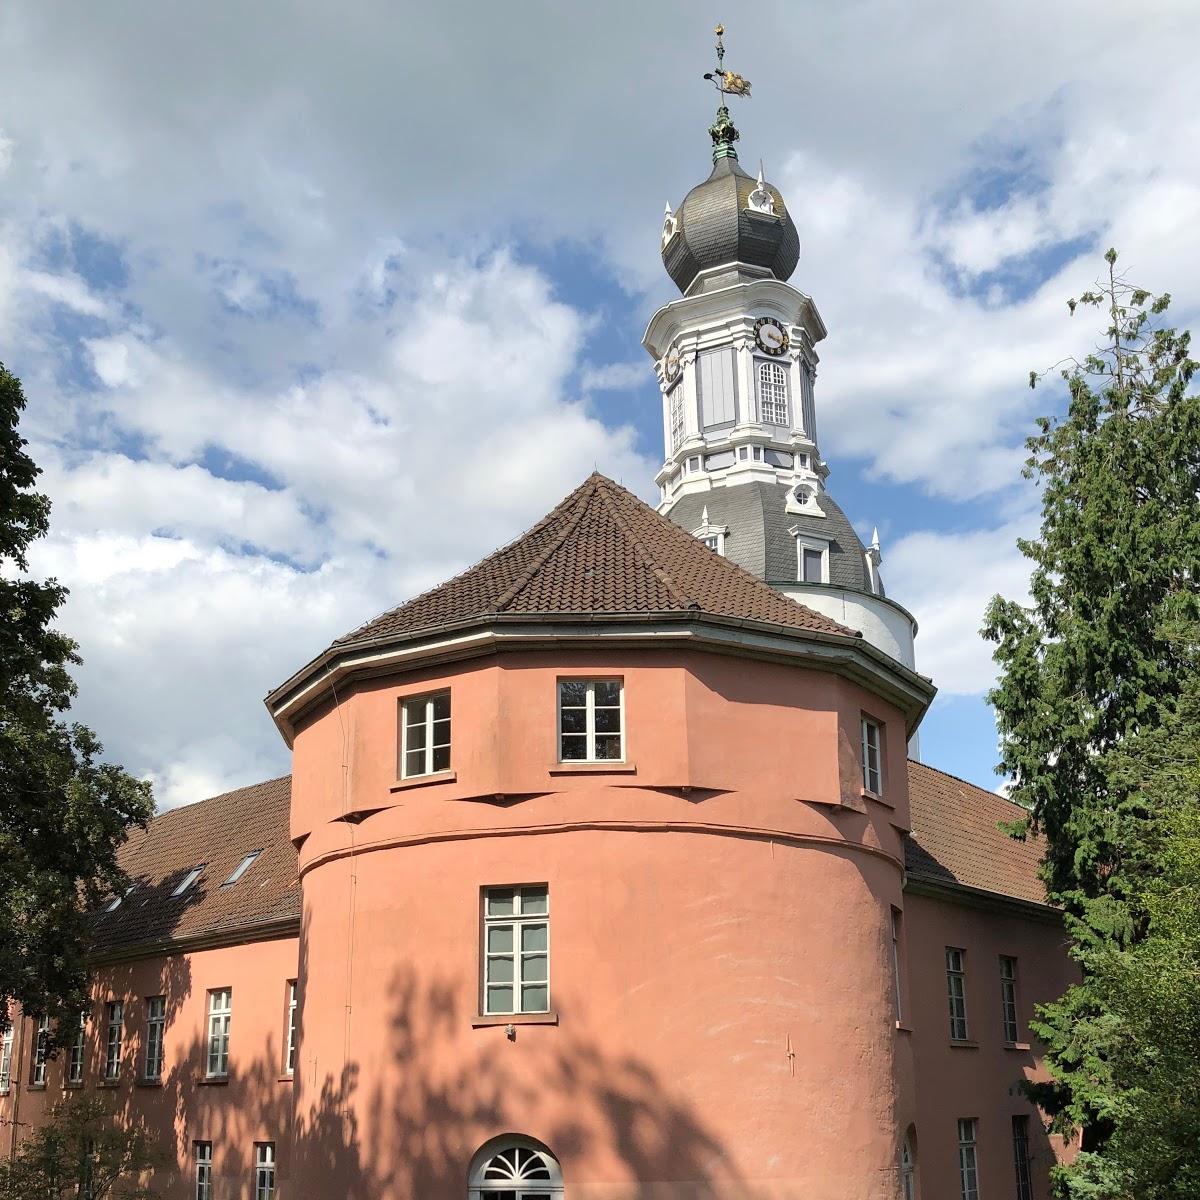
[613,376]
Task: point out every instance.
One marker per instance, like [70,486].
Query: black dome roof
[717,226]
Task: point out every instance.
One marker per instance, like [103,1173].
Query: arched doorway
[515,1168]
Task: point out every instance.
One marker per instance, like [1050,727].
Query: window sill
[1024,1047]
[108,1083]
[878,797]
[483,1020]
[72,1085]
[593,768]
[35,1087]
[963,1044]
[213,1080]
[149,1083]
[286,1079]
[901,1027]
[416,781]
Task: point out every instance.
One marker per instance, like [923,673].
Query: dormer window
[713,536]
[812,559]
[187,881]
[772,394]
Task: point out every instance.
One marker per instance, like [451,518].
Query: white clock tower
[736,361]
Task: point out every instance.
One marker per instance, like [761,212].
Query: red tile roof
[602,550]
[218,833]
[955,837]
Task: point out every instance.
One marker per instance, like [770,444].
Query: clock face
[770,335]
[671,365]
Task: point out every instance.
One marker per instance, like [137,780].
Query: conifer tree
[1092,673]
[64,812]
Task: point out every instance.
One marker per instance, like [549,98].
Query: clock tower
[736,360]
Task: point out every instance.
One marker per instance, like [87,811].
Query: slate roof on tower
[601,551]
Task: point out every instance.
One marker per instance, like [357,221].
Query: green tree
[81,1153]
[1092,674]
[64,813]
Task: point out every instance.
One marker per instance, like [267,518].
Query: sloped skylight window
[187,881]
[241,868]
[115,902]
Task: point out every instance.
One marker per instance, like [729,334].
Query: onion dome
[730,218]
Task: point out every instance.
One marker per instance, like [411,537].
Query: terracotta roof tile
[955,837]
[602,550]
[218,833]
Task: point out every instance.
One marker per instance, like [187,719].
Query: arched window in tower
[515,1168]
[772,394]
[677,427]
[908,1171]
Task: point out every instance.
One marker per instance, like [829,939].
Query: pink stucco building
[603,870]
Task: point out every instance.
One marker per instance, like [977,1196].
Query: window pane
[608,720]
[535,902]
[441,758]
[574,720]
[572,692]
[535,997]
[533,937]
[500,970]
[608,747]
[416,737]
[500,902]
[414,762]
[574,748]
[500,999]
[533,968]
[608,692]
[500,939]
[441,707]
[441,733]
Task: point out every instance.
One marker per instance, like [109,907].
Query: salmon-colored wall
[255,1105]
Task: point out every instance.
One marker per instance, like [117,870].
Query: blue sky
[313,311]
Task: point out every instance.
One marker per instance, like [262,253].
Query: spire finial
[728,83]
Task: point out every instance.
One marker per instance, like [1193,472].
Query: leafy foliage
[1096,710]
[64,812]
[81,1152]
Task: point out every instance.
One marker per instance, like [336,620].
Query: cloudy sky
[317,304]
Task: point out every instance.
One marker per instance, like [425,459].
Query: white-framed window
[75,1057]
[1008,998]
[187,881]
[425,735]
[220,1010]
[156,1024]
[289,1042]
[113,1031]
[242,867]
[872,756]
[812,560]
[897,919]
[968,1166]
[772,394]
[1024,1175]
[514,1168]
[264,1170]
[41,1043]
[6,1053]
[117,900]
[678,427]
[202,1154]
[516,949]
[591,720]
[956,991]
[908,1172]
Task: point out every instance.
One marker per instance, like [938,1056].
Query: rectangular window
[590,720]
[289,1044]
[87,1161]
[956,988]
[516,949]
[241,868]
[715,378]
[1008,998]
[112,1039]
[968,1167]
[872,759]
[6,1051]
[897,917]
[41,1041]
[264,1170]
[677,425]
[156,1021]
[187,881]
[1020,1131]
[220,1009]
[425,736]
[812,565]
[202,1152]
[75,1058]
[772,394]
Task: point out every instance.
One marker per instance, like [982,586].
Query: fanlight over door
[515,1169]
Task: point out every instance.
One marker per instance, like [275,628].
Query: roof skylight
[187,881]
[115,902]
[241,868]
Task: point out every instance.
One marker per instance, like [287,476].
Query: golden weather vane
[727,83]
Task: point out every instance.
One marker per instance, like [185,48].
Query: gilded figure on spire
[728,83]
